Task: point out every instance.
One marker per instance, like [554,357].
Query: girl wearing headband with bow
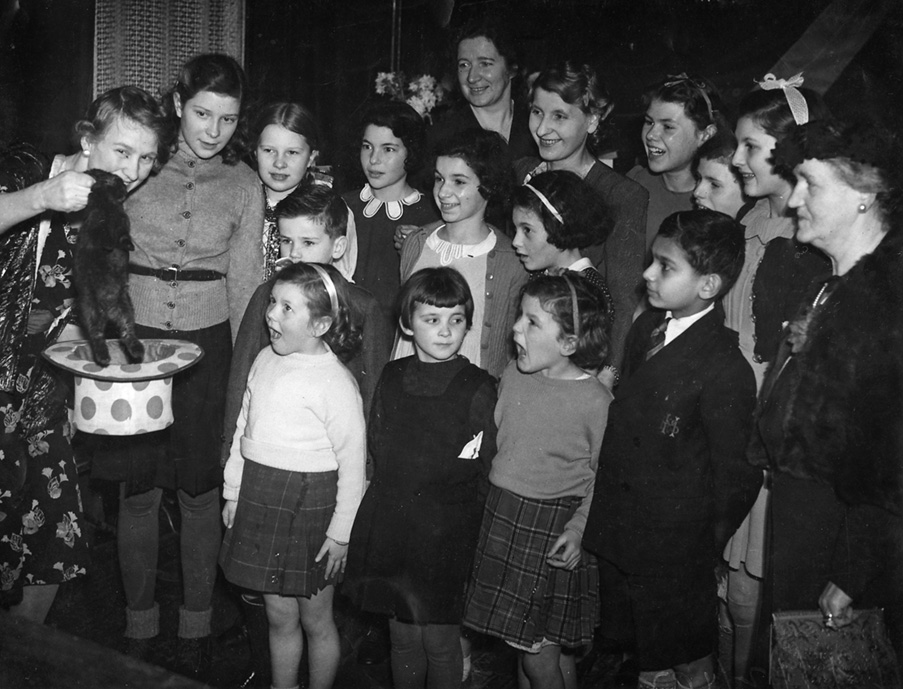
[770,287]
[682,113]
[295,476]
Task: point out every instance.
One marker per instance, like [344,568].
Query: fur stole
[845,417]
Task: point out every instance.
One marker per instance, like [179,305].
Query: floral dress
[41,537]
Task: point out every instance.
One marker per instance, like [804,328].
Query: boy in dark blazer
[673,482]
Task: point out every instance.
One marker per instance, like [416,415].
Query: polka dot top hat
[124,398]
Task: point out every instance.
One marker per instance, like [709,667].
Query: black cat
[101,269]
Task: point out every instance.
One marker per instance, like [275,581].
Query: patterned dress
[41,539]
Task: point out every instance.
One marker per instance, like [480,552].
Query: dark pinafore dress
[415,532]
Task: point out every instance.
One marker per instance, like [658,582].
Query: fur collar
[845,420]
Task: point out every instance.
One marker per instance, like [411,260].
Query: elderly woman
[486,64]
[42,543]
[830,419]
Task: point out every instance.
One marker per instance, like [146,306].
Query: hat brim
[162,359]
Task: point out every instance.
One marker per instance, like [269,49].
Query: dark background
[326,54]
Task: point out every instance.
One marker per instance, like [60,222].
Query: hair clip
[796,100]
[682,78]
[546,203]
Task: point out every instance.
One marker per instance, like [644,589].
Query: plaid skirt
[280,525]
[513,593]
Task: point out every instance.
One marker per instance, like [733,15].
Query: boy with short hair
[718,185]
[673,481]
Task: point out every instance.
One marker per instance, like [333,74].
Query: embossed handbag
[805,654]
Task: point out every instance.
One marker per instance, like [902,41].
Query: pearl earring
[862,208]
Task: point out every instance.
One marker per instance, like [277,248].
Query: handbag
[805,654]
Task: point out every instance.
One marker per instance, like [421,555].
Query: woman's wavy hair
[129,103]
[486,154]
[494,30]
[556,294]
[293,116]
[344,335]
[405,123]
[584,219]
[579,85]
[220,74]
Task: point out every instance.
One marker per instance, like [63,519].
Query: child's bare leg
[567,663]
[743,595]
[36,602]
[323,649]
[698,674]
[286,639]
[542,669]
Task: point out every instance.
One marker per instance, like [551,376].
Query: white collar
[677,326]
[394,209]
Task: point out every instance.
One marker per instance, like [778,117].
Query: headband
[576,310]
[546,203]
[330,288]
[797,102]
[682,78]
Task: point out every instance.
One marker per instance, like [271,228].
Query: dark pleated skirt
[513,594]
[280,525]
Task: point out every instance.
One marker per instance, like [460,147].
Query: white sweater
[303,412]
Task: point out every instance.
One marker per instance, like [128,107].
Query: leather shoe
[374,648]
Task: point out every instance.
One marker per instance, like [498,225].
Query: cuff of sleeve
[231,492]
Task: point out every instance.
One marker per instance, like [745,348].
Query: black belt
[175,274]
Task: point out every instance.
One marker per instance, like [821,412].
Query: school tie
[657,339]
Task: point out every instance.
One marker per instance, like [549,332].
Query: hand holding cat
[66,192]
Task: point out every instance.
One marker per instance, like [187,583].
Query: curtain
[144,42]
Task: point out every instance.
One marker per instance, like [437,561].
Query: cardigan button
[191,163]
[171,304]
[186,214]
[168,325]
[190,185]
[180,242]
[173,284]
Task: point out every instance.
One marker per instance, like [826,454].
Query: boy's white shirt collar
[676,326]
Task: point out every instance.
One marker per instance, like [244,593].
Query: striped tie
[657,339]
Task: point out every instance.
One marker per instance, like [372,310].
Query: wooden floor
[87,622]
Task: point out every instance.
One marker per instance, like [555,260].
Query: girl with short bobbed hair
[569,115]
[471,171]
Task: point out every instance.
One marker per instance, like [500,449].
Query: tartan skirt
[280,525]
[513,593]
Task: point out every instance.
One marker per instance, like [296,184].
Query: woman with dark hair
[198,258]
[486,65]
[392,153]
[42,544]
[830,418]
[471,172]
[568,118]
[682,112]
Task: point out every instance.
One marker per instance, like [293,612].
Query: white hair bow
[797,102]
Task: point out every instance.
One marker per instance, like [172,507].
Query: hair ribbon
[546,203]
[796,100]
[330,288]
[682,78]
